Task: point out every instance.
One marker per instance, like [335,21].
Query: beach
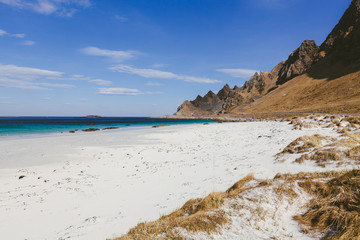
[98,185]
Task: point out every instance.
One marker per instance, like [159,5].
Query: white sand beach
[98,185]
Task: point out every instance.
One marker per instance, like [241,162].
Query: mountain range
[314,78]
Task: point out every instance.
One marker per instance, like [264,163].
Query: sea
[10,126]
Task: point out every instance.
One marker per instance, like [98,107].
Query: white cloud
[101,82]
[46,98]
[113,54]
[28,43]
[15,3]
[62,7]
[238,72]
[26,72]
[123,91]
[44,7]
[67,12]
[121,18]
[75,78]
[153,84]
[152,73]
[119,91]
[27,78]
[16,35]
[56,85]
[79,77]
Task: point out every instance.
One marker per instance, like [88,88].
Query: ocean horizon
[10,126]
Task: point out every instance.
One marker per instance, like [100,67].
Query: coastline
[23,126]
[99,185]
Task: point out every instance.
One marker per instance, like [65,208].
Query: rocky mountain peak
[299,61]
[343,40]
[209,96]
[224,92]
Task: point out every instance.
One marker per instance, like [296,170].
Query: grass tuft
[304,144]
[201,214]
[336,208]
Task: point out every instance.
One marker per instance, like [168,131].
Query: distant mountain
[313,78]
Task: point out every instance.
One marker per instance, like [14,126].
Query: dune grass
[201,214]
[335,210]
[304,144]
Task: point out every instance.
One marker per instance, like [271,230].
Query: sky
[144,57]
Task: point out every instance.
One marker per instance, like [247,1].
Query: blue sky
[143,57]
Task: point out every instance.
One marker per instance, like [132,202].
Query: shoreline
[92,186]
[81,129]
[248,117]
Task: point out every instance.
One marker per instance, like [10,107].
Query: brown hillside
[333,82]
[307,94]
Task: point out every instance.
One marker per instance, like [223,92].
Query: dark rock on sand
[90,129]
[160,125]
[110,128]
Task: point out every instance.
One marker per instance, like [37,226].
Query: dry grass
[354,153]
[286,190]
[307,175]
[331,154]
[202,214]
[238,187]
[323,156]
[307,94]
[353,136]
[299,124]
[304,144]
[302,158]
[336,208]
[352,119]
[194,216]
[325,150]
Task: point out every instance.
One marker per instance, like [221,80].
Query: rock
[90,129]
[224,92]
[110,128]
[160,125]
[299,61]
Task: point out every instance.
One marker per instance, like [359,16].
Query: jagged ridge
[257,86]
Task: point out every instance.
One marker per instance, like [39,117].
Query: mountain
[312,79]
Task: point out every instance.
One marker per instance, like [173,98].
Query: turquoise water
[39,125]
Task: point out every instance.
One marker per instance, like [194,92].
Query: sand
[98,185]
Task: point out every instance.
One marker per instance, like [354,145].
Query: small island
[91,116]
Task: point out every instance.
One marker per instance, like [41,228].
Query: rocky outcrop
[343,41]
[299,61]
